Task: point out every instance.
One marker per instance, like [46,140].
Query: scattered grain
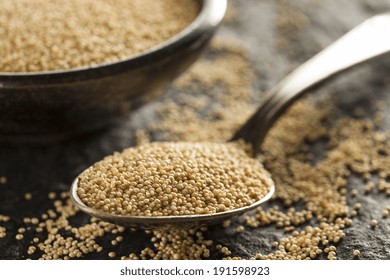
[52,195]
[368,187]
[3,180]
[4,218]
[225,250]
[357,206]
[19,236]
[3,232]
[353,213]
[226,223]
[239,229]
[356,253]
[31,250]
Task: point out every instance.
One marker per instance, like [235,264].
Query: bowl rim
[209,18]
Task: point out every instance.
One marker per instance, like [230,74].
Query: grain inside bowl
[46,35]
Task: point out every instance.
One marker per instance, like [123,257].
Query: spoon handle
[366,41]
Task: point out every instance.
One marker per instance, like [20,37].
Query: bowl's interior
[209,17]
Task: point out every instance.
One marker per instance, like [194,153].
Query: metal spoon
[366,41]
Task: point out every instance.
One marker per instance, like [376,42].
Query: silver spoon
[366,41]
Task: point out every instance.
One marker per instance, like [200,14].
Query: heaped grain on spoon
[171,179]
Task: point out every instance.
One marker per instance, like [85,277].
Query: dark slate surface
[40,170]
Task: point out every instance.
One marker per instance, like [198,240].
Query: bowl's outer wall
[58,110]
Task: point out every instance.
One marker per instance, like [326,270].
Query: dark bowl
[55,105]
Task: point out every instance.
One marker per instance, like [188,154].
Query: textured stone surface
[40,170]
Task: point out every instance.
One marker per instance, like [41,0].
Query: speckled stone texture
[40,170]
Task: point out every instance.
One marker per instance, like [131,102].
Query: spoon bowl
[160,222]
